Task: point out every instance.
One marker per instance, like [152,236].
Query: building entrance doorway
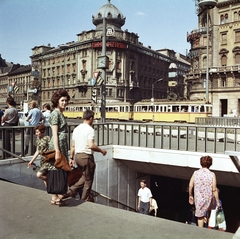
[223,106]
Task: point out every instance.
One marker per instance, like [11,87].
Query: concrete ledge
[27,213]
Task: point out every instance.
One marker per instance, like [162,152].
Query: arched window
[222,19]
[204,62]
[226,18]
[236,16]
[224,60]
[109,15]
[237,59]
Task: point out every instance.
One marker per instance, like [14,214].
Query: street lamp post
[103,97]
[153,97]
[207,4]
[64,47]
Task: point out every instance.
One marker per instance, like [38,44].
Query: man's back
[35,116]
[81,135]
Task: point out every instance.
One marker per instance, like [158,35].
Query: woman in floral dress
[59,131]
[205,189]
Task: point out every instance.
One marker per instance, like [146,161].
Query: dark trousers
[86,163]
[8,142]
[144,207]
[8,138]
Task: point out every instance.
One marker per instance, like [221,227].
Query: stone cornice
[227,3]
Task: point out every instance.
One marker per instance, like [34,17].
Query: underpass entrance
[172,197]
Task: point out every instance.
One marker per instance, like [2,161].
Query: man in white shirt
[82,148]
[46,114]
[144,198]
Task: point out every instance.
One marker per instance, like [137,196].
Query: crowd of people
[203,192]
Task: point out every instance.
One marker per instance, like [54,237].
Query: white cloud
[140,13]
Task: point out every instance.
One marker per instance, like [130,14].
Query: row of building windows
[224,37]
[68,69]
[223,61]
[224,17]
[221,83]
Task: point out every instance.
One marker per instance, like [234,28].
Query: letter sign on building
[109,31]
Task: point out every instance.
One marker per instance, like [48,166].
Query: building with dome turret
[223,54]
[131,71]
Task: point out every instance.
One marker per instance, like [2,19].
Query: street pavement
[27,213]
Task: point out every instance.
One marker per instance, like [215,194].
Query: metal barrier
[218,121]
[184,137]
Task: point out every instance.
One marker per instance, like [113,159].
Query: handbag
[74,175]
[60,163]
[57,181]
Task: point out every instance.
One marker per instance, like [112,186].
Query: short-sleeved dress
[57,118]
[42,146]
[203,195]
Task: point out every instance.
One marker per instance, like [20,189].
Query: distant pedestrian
[153,208]
[190,217]
[10,118]
[144,198]
[1,115]
[34,117]
[46,114]
[42,146]
[205,187]
[82,148]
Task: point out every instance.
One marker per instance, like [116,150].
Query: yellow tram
[76,112]
[185,111]
[169,111]
[116,111]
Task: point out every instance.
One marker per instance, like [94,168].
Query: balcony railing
[217,69]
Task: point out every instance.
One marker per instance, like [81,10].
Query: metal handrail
[95,194]
[19,157]
[172,136]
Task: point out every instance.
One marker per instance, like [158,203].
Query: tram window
[175,108]
[183,109]
[202,108]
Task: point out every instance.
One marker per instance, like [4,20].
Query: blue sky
[28,23]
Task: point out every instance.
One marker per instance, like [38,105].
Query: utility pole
[103,97]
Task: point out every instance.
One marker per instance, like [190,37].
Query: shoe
[58,202]
[70,193]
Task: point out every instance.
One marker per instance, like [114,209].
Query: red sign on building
[110,44]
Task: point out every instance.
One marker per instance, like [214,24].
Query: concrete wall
[114,179]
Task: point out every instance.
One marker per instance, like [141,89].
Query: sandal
[58,202]
[55,201]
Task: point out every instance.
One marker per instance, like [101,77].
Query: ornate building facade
[224,57]
[132,68]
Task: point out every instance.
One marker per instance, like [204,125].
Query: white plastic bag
[212,219]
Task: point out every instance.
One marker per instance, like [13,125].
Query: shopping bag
[57,181]
[220,220]
[212,219]
[74,175]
